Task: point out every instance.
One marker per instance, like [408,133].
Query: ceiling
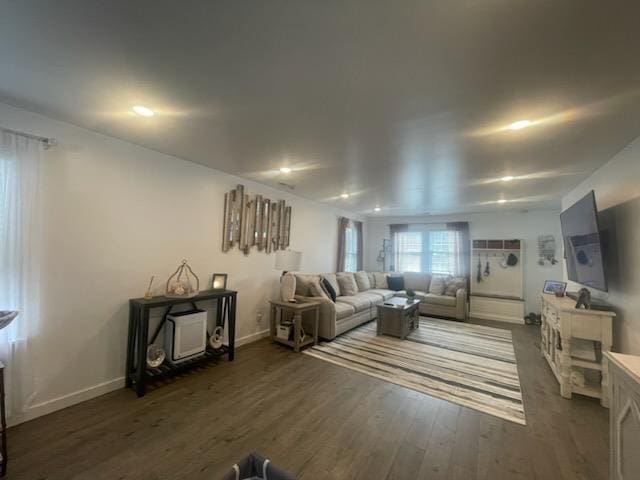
[401,104]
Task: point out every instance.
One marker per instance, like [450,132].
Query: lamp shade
[288,260]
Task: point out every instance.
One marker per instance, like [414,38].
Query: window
[423,249]
[351,249]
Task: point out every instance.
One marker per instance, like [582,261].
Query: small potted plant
[411,295]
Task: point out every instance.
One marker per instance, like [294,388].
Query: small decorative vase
[181,283]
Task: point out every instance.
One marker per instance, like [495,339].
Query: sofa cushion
[371,297]
[357,302]
[444,300]
[395,282]
[362,279]
[347,282]
[328,289]
[333,280]
[372,279]
[344,310]
[384,293]
[454,284]
[418,281]
[303,282]
[381,280]
[438,284]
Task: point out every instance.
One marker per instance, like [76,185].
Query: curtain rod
[47,142]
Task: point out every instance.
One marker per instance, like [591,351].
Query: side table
[278,308]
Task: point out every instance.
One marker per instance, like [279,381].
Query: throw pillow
[303,282]
[395,282]
[333,280]
[438,284]
[362,279]
[347,282]
[328,288]
[317,290]
[381,280]
[454,284]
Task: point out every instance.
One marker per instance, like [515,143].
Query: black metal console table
[138,373]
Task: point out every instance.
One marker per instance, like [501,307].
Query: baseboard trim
[55,404]
[254,337]
[496,318]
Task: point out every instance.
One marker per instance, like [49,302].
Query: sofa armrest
[327,322]
[461,304]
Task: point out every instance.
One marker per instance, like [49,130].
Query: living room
[410,174]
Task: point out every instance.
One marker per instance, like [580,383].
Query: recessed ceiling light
[519,124]
[377,209]
[502,200]
[344,195]
[508,178]
[143,111]
[285,170]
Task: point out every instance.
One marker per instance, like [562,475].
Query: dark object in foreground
[254,466]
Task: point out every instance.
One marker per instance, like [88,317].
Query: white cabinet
[563,328]
[624,417]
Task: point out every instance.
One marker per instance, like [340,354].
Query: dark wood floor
[318,421]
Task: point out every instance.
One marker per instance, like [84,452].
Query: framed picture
[219,281]
[554,287]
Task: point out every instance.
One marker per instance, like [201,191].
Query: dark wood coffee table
[398,317]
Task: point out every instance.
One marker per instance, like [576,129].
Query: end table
[280,307]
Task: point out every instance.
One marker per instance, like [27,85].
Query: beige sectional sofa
[353,308]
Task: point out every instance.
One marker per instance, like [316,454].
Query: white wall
[497,225]
[115,214]
[617,188]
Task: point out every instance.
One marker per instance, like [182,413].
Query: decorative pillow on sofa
[303,282]
[395,282]
[328,289]
[333,280]
[347,282]
[417,281]
[381,280]
[438,285]
[317,291]
[362,279]
[454,284]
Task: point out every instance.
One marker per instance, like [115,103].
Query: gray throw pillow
[454,284]
[362,279]
[381,280]
[438,285]
[347,282]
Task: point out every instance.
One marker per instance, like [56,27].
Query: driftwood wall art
[255,222]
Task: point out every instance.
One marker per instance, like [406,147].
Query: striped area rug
[471,365]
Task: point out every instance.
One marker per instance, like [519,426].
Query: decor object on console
[155,355]
[180,284]
[215,339]
[219,281]
[148,294]
[255,222]
[554,287]
[584,299]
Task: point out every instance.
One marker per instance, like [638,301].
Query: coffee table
[398,317]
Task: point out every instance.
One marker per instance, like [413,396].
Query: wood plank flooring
[318,421]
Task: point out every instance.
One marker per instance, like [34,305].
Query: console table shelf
[138,373]
[562,322]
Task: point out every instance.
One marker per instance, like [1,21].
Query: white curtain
[20,246]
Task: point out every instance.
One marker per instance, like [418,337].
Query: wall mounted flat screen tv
[582,243]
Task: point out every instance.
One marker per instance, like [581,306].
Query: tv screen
[582,246]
